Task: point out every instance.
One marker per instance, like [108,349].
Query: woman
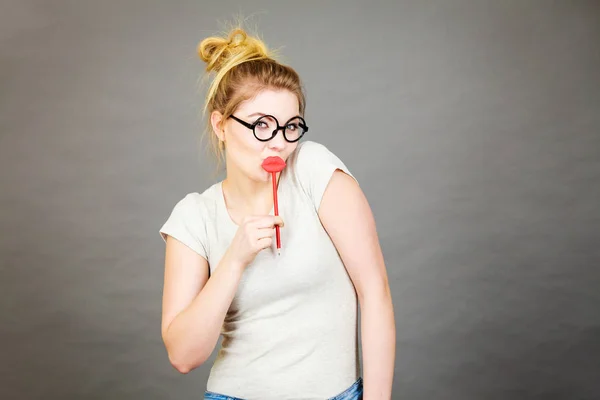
[289,320]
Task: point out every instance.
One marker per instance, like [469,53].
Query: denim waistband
[354,392]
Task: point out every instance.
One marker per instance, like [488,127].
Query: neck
[246,195]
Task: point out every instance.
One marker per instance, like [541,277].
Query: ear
[216,121]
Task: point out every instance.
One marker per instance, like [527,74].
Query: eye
[262,124]
[292,127]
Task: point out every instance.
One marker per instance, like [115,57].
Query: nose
[278,142]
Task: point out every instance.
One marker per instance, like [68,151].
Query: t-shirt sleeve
[187,225]
[315,165]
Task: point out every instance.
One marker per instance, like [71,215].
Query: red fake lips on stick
[274,165]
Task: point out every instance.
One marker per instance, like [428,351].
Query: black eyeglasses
[266,127]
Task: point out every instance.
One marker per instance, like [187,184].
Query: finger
[251,218]
[265,243]
[265,232]
[268,222]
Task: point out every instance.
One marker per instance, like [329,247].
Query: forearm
[194,333]
[378,333]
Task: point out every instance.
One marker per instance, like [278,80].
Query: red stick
[274,165]
[276,206]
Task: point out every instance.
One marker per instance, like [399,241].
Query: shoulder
[316,158]
[310,157]
[313,167]
[196,205]
[309,150]
[192,202]
[187,221]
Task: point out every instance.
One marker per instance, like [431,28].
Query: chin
[262,176]
[265,176]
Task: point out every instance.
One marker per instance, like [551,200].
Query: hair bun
[216,51]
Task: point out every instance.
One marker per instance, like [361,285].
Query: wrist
[233,264]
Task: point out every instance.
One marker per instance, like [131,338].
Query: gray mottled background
[473,126]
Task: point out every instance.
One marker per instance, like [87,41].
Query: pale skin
[194,307]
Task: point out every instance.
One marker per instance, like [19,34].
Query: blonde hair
[243,66]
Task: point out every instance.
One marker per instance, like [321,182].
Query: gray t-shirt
[291,331]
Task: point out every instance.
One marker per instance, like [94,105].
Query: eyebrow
[262,114]
[256,113]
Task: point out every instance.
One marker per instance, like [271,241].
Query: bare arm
[347,217]
[194,307]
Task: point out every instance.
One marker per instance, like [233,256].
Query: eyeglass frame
[279,127]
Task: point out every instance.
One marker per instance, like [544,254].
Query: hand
[253,235]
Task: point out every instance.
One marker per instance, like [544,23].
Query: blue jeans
[354,392]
